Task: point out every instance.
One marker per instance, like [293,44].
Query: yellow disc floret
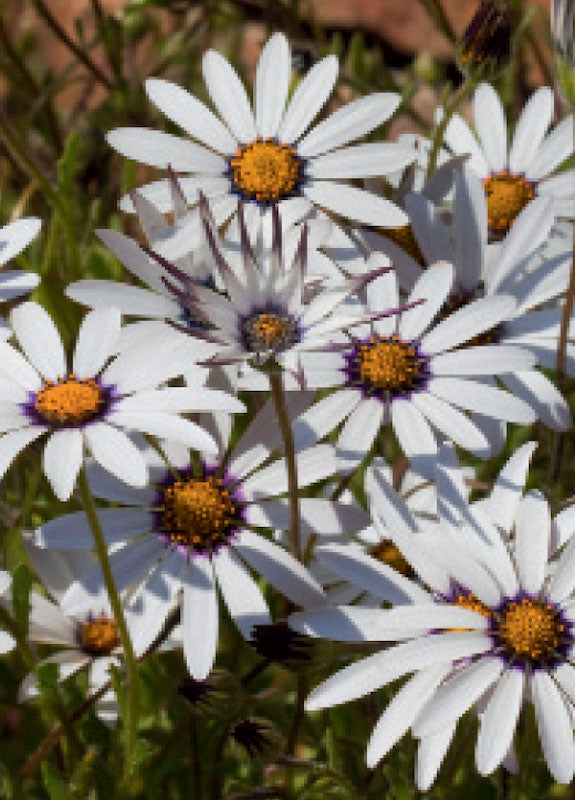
[389,364]
[530,629]
[69,401]
[470,601]
[198,513]
[507,195]
[98,636]
[269,331]
[265,170]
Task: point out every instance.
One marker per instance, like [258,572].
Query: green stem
[131,713]
[278,395]
[8,622]
[464,90]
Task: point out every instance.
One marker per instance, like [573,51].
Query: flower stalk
[277,390]
[132,700]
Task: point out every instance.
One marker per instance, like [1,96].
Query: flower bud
[485,47]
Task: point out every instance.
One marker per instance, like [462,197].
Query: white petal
[450,421]
[130,300]
[136,260]
[509,487]
[383,293]
[116,453]
[532,534]
[414,435]
[190,114]
[7,643]
[499,721]
[357,204]
[360,430]
[308,99]
[401,711]
[15,282]
[15,367]
[39,340]
[483,398]
[360,569]
[553,151]
[530,129]
[467,322]
[457,695]
[374,671]
[199,617]
[353,120]
[241,594]
[470,226]
[430,231]
[312,465]
[554,726]
[432,287]
[322,417]
[12,443]
[73,531]
[562,581]
[229,96]
[491,126]
[537,390]
[494,359]
[96,341]
[166,426]
[451,493]
[15,236]
[271,85]
[459,138]
[163,150]
[62,460]
[279,568]
[323,517]
[361,161]
[153,601]
[430,754]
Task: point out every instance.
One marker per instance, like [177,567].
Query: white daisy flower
[7,643]
[93,404]
[86,641]
[415,372]
[266,155]
[495,628]
[266,314]
[14,237]
[514,266]
[513,175]
[195,527]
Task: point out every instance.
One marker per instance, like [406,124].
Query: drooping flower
[103,395]
[494,629]
[198,526]
[266,156]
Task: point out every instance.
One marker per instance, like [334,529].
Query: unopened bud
[485,47]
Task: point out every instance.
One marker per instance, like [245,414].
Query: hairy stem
[131,721]
[278,395]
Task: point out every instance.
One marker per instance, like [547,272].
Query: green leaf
[21,586]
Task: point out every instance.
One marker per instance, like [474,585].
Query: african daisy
[201,525]
[494,628]
[14,237]
[266,156]
[91,405]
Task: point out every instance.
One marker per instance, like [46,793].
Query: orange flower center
[389,363]
[269,331]
[99,636]
[198,513]
[507,195]
[69,401]
[264,170]
[531,629]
